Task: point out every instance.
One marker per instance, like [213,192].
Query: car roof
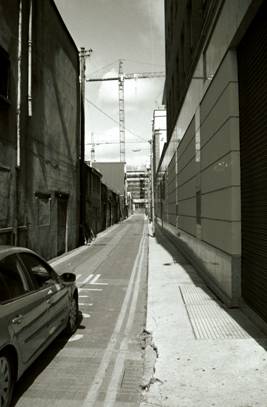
[7,250]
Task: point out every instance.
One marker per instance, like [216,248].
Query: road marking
[116,375]
[87,279]
[83,296]
[89,289]
[78,276]
[84,304]
[93,282]
[75,338]
[91,397]
[86,315]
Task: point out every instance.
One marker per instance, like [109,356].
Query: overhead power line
[104,67]
[114,120]
[144,63]
[121,77]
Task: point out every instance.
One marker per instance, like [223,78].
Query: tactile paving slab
[210,320]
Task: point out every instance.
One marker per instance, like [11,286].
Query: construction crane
[93,145]
[121,78]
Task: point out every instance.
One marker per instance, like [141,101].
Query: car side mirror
[68,277]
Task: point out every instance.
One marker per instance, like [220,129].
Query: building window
[4,74]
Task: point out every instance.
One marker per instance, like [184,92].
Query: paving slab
[208,355]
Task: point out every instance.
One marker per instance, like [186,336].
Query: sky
[133,31]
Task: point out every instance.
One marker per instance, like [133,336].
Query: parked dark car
[36,304]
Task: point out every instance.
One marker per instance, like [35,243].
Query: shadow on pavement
[248,324]
[40,364]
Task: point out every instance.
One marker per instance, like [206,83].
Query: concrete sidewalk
[207,355]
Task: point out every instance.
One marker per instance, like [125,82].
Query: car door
[44,278]
[23,310]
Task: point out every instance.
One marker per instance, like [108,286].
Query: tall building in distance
[158,135]
[137,180]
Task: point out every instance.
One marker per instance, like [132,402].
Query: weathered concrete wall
[52,141]
[39,199]
[12,217]
[93,200]
[102,207]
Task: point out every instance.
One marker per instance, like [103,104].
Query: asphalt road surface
[102,363]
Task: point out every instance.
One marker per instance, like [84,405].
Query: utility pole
[83,55]
[121,113]
[152,178]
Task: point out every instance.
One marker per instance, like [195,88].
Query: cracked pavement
[198,352]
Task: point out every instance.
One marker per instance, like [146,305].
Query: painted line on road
[93,282]
[90,289]
[87,279]
[92,394]
[83,304]
[76,337]
[118,368]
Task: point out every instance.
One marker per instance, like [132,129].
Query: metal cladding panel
[252,63]
[172,191]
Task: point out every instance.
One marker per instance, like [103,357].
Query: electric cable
[104,67]
[114,120]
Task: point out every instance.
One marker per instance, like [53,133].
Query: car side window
[40,274]
[11,282]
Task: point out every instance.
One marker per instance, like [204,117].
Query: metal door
[62,207]
[252,69]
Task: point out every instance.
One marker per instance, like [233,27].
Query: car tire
[73,316]
[6,380]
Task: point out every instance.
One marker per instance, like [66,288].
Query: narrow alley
[133,218]
[101,364]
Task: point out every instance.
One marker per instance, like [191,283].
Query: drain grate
[209,320]
[132,376]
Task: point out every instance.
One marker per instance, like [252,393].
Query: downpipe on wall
[18,128]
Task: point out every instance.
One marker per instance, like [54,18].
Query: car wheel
[73,316]
[6,381]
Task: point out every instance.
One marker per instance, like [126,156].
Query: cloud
[107,147]
[136,91]
[154,12]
